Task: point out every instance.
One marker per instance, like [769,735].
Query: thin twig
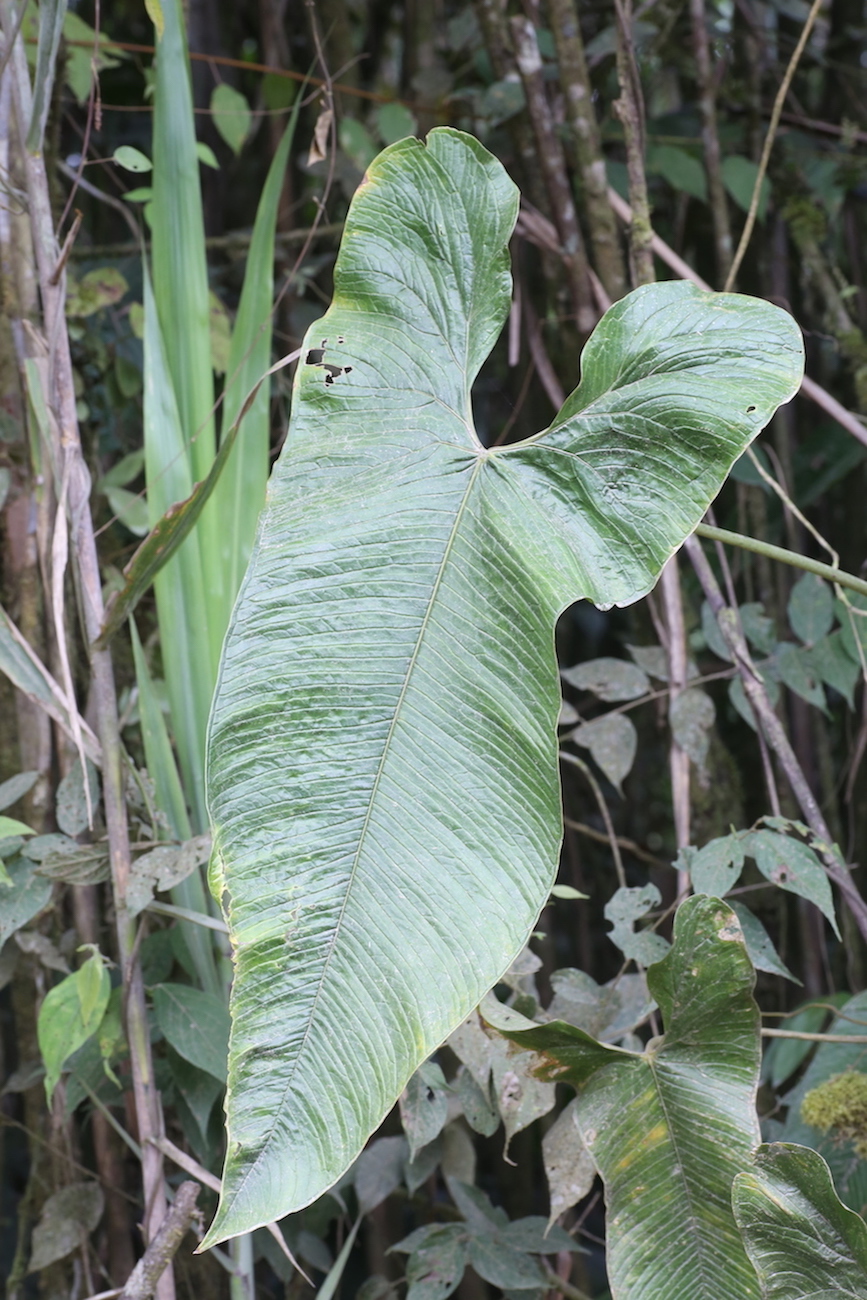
[839,576]
[814,1038]
[629,846]
[756,693]
[143,1280]
[783,91]
[603,808]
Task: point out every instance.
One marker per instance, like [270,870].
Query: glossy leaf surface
[804,1243]
[670,1128]
[382,761]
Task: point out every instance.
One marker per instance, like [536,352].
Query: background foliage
[441,1207]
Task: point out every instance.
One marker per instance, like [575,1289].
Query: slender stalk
[746,543]
[581,118]
[552,161]
[783,91]
[630,109]
[756,693]
[678,759]
[710,140]
[69,455]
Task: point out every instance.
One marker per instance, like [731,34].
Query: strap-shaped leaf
[670,1128]
[805,1244]
[382,761]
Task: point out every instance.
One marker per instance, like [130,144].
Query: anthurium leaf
[382,762]
[804,1243]
[670,1128]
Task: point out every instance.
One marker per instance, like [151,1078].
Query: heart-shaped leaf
[382,760]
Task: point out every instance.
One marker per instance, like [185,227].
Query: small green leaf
[357,142]
[715,869]
[132,160]
[681,170]
[206,155]
[811,609]
[424,1106]
[569,1166]
[739,177]
[479,1110]
[71,807]
[612,741]
[394,122]
[758,628]
[793,866]
[623,909]
[9,826]
[23,899]
[131,508]
[692,714]
[95,290]
[760,948]
[611,680]
[67,1218]
[91,981]
[141,194]
[125,470]
[70,1014]
[435,1268]
[829,661]
[713,636]
[803,1242]
[231,115]
[795,667]
[379,1171]
[196,1024]
[566,891]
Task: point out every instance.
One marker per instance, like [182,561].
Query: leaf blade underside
[382,760]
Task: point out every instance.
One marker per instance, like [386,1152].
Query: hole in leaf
[750,410]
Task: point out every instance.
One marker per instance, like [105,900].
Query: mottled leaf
[793,866]
[670,1128]
[67,1218]
[612,741]
[609,679]
[623,909]
[692,715]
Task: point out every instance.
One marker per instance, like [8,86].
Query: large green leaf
[803,1241]
[382,760]
[668,1129]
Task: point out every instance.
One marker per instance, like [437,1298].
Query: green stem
[839,576]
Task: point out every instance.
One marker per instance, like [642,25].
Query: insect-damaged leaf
[668,1129]
[382,760]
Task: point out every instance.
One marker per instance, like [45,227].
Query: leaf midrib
[455,529]
[681,1175]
